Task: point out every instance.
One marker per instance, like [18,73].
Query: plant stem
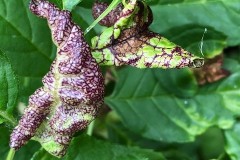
[11,154]
[90,128]
[113,5]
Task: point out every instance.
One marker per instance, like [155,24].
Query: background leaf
[25,39]
[183,110]
[24,153]
[233,142]
[27,43]
[167,105]
[221,15]
[70,4]
[85,147]
[190,36]
[8,90]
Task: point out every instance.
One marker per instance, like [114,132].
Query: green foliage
[173,99]
[233,142]
[70,4]
[85,147]
[26,152]
[222,15]
[157,113]
[8,90]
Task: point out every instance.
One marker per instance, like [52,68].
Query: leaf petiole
[11,154]
[90,128]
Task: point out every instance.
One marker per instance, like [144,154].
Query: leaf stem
[11,154]
[113,5]
[90,128]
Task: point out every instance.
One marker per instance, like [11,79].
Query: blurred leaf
[24,153]
[4,137]
[208,141]
[25,40]
[59,3]
[221,15]
[233,142]
[168,105]
[70,4]
[43,155]
[88,148]
[8,90]
[28,86]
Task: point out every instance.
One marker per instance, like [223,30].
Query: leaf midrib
[28,40]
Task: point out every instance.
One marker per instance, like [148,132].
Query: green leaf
[88,148]
[179,13]
[25,39]
[59,3]
[190,36]
[28,44]
[4,136]
[233,142]
[24,153]
[8,90]
[70,4]
[28,86]
[168,105]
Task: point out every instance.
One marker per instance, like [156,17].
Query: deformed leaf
[88,148]
[8,90]
[66,103]
[128,40]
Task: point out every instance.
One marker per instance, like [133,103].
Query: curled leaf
[72,92]
[212,71]
[130,42]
